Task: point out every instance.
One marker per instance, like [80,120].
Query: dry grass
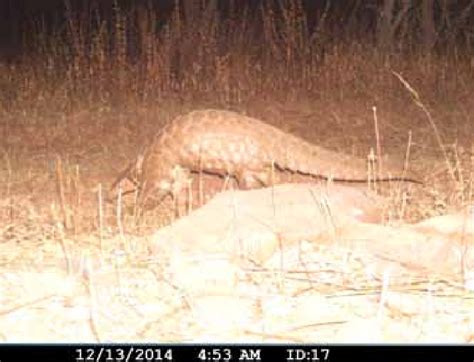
[80,104]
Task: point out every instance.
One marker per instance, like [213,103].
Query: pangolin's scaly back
[224,141]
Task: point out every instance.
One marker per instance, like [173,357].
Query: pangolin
[227,143]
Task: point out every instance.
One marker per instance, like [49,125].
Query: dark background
[452,20]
